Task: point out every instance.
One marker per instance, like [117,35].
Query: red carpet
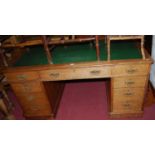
[85,101]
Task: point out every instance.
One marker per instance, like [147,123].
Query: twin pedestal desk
[39,87]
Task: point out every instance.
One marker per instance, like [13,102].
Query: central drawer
[75,73]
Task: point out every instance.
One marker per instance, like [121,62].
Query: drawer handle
[55,75]
[95,72]
[130,82]
[127,105]
[22,77]
[128,94]
[131,71]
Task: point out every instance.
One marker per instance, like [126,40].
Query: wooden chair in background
[66,40]
[5,110]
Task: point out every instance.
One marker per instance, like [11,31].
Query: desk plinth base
[115,115]
[39,117]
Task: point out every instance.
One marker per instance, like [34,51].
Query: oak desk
[39,86]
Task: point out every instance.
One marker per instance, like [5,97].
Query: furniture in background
[39,84]
[5,103]
[21,41]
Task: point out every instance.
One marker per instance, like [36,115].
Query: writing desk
[39,85]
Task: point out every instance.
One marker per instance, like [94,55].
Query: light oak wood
[127,106]
[129,82]
[22,76]
[127,100]
[34,104]
[128,93]
[26,87]
[130,70]
[125,37]
[126,115]
[75,73]
[38,100]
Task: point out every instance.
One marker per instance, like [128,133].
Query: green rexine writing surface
[80,52]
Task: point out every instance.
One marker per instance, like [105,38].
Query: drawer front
[128,93]
[35,104]
[76,73]
[129,70]
[126,106]
[129,82]
[27,87]
[24,76]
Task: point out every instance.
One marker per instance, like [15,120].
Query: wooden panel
[35,104]
[75,73]
[129,82]
[130,70]
[21,76]
[26,87]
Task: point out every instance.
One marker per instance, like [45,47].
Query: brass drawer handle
[131,71]
[55,75]
[128,94]
[22,77]
[129,82]
[127,105]
[95,72]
